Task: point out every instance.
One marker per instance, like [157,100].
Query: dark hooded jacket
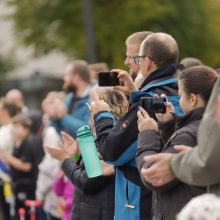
[117,143]
[169,199]
[94,197]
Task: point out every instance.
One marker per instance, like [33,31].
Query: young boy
[20,161]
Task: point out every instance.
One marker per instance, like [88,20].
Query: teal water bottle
[89,152]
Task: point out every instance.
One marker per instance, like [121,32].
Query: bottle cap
[84,130]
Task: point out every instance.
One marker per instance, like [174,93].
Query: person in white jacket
[48,171]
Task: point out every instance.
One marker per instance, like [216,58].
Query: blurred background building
[34,76]
[37,38]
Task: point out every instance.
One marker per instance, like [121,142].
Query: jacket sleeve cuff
[100,115]
[67,166]
[170,167]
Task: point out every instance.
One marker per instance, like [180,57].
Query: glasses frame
[137,59]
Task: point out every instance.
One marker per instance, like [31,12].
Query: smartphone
[154,104]
[108,79]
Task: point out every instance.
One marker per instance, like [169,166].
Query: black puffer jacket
[94,197]
[169,199]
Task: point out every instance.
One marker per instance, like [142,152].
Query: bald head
[15,96]
[162,48]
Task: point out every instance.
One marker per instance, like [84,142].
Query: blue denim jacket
[77,118]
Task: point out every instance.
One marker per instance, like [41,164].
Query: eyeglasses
[137,59]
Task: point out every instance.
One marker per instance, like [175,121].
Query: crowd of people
[153,162]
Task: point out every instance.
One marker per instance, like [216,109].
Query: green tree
[58,24]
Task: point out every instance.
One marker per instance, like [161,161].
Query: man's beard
[70,88]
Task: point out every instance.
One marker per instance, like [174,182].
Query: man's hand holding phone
[128,82]
[114,78]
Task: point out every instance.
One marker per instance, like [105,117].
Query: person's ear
[193,100]
[151,65]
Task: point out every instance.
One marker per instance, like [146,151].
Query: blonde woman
[94,197]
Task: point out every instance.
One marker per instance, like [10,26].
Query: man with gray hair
[117,142]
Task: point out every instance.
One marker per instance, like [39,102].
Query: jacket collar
[166,71]
[85,94]
[194,115]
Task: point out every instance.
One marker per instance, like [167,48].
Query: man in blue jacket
[74,113]
[117,142]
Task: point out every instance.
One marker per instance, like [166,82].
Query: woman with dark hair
[195,86]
